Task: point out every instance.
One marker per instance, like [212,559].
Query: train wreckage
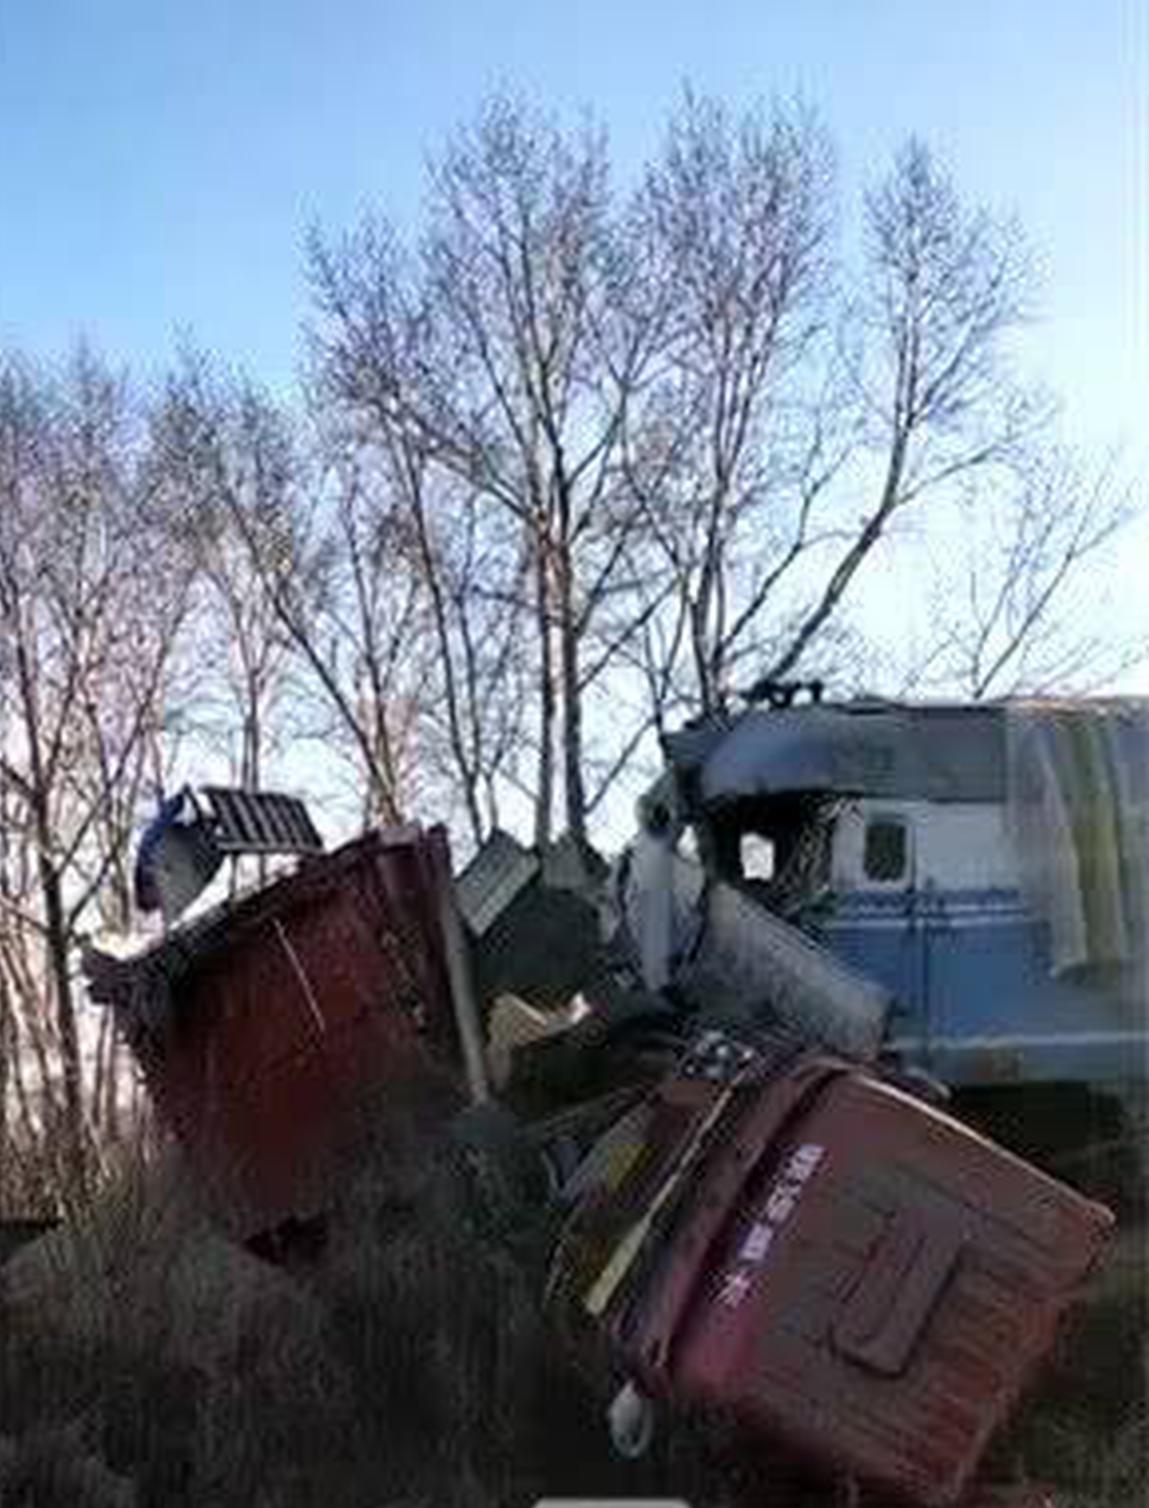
[701,1093]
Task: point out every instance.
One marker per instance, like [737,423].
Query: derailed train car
[987,864]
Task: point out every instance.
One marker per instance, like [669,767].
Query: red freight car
[264,1026]
[831,1264]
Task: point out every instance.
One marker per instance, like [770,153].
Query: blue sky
[160,162]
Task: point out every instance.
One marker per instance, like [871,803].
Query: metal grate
[259,822]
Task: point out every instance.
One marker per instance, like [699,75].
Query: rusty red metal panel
[882,1289]
[277,1019]
[843,1270]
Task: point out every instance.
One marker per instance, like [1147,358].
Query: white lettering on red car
[781,1200]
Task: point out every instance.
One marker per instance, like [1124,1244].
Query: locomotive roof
[923,751]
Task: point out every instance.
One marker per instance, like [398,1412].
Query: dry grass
[146,1340]
[146,1361]
[1085,1429]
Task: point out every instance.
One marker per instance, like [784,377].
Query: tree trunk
[26,1119]
[57,948]
[468,774]
[249,772]
[847,568]
[7,1021]
[544,791]
[98,1071]
[111,1106]
[572,699]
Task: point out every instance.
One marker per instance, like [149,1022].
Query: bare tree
[464,577]
[21,975]
[1015,606]
[244,635]
[510,349]
[697,431]
[373,618]
[794,423]
[946,285]
[91,598]
[463,566]
[318,569]
[735,452]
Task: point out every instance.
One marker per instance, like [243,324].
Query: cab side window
[885,857]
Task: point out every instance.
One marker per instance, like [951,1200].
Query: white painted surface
[953,845]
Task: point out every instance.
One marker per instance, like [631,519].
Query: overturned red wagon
[266,1026]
